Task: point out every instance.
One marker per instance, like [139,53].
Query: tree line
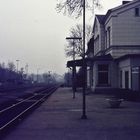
[9,74]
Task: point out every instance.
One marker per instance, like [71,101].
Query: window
[103,74]
[97,42]
[137,12]
[108,36]
[126,79]
[121,78]
[105,39]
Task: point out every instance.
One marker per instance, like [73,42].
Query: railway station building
[113,55]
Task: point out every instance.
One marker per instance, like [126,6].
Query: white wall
[126,28]
[100,33]
[125,65]
[120,51]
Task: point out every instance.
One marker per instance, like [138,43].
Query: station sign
[135,70]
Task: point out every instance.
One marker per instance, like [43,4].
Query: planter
[114,103]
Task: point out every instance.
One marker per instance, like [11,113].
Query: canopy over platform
[79,62]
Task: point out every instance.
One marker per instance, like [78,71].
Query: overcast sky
[34,33]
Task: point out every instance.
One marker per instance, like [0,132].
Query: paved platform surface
[59,119]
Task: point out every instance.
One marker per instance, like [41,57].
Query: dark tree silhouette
[11,66]
[74,7]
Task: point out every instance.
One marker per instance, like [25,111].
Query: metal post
[74,66]
[49,77]
[74,72]
[84,67]
[26,68]
[17,65]
[37,75]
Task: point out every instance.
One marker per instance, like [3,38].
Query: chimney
[125,2]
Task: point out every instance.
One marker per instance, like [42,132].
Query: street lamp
[38,75]
[17,64]
[84,68]
[74,67]
[26,68]
[49,77]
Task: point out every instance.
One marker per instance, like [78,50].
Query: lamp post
[74,67]
[17,64]
[49,77]
[84,68]
[26,68]
[37,75]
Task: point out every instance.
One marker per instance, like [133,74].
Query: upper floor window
[105,39]
[108,37]
[96,42]
[103,73]
[137,12]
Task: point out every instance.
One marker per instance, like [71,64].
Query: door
[103,74]
[126,79]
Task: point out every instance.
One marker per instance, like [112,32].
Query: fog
[32,32]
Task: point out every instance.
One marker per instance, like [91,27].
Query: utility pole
[49,77]
[84,67]
[37,75]
[17,64]
[26,69]
[74,66]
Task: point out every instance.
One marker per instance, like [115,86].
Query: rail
[12,113]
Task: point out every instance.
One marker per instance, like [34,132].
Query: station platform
[59,118]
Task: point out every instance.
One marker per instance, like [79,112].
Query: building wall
[118,51]
[88,77]
[109,24]
[135,73]
[102,34]
[126,28]
[125,31]
[124,66]
[114,75]
[124,39]
[94,78]
[135,62]
[96,36]
[132,65]
[99,37]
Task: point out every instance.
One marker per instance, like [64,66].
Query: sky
[32,32]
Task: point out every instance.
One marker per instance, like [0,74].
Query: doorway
[126,79]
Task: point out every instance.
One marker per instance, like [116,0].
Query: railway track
[14,112]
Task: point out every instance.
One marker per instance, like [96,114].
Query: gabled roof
[100,18]
[120,7]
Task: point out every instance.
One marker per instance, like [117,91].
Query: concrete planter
[114,103]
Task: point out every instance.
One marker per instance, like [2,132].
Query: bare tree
[74,7]
[11,66]
[76,31]
[2,65]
